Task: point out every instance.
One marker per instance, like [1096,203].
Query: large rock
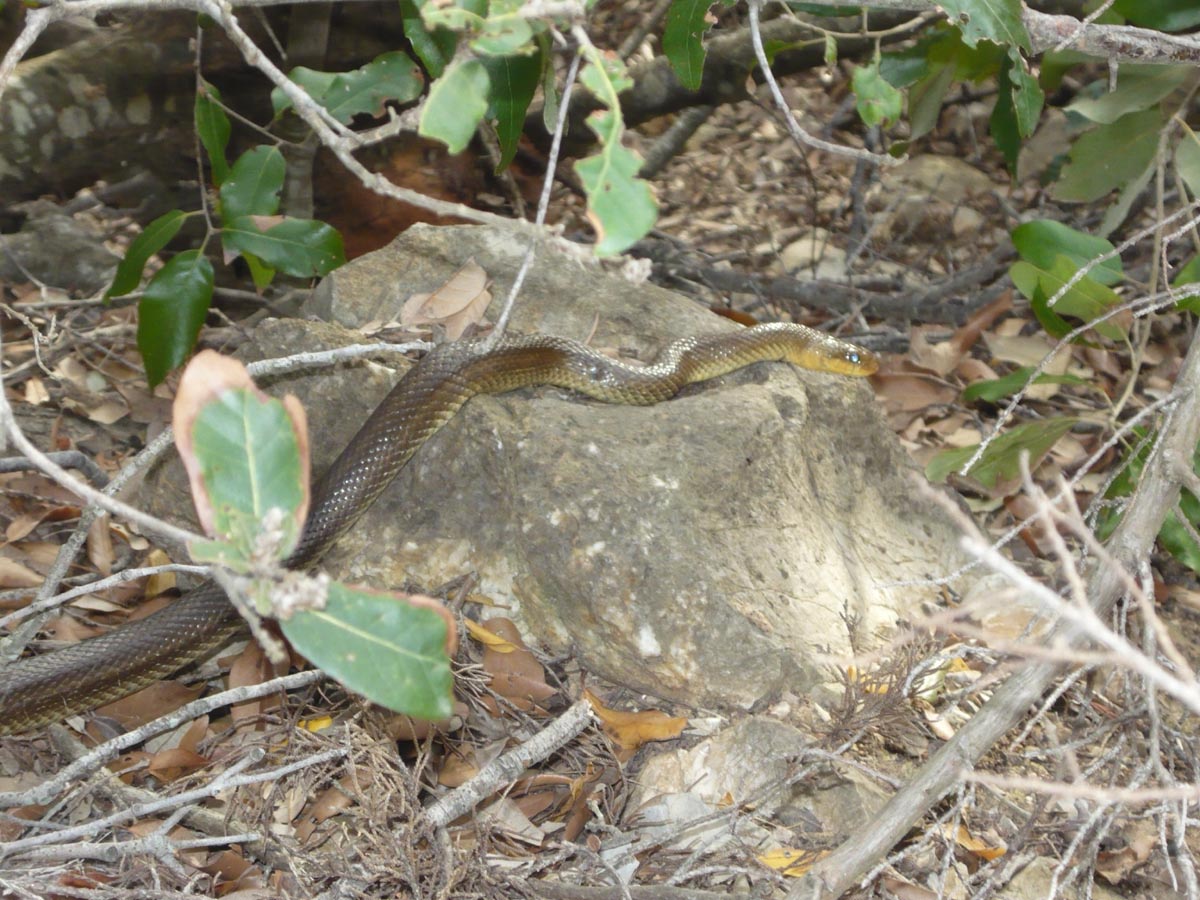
[705,549]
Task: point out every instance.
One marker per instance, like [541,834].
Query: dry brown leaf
[25,523]
[1116,865]
[906,890]
[150,703]
[940,358]
[515,672]
[108,411]
[973,845]
[456,305]
[172,763]
[15,575]
[100,545]
[35,391]
[791,862]
[163,581]
[629,730]
[252,667]
[489,638]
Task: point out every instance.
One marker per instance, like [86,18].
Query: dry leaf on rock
[629,730]
[456,305]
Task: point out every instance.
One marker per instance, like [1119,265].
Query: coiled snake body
[46,688]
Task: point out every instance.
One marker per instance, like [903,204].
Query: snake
[44,688]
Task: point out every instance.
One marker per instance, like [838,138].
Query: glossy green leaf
[390,76]
[878,102]
[513,80]
[1110,156]
[1138,88]
[999,469]
[253,185]
[383,646]
[996,389]
[302,248]
[1041,242]
[433,46]
[155,236]
[683,40]
[456,103]
[1163,15]
[998,21]
[213,129]
[171,311]
[260,273]
[248,451]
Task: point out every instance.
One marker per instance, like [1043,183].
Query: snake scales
[45,688]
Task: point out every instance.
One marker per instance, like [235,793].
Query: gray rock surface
[704,549]
[57,250]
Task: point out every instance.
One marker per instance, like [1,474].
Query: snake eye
[853,357]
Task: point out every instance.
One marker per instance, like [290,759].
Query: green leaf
[433,46]
[1087,299]
[1042,241]
[155,236]
[683,40]
[925,99]
[456,103]
[302,248]
[1163,15]
[999,469]
[213,128]
[250,468]
[1138,88]
[386,647]
[1109,157]
[621,206]
[390,76]
[1173,537]
[878,102]
[1187,159]
[1027,96]
[260,273]
[998,21]
[513,80]
[1003,125]
[171,311]
[253,185]
[998,388]
[1189,273]
[1119,209]
[505,34]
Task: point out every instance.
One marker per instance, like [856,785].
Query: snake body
[45,688]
